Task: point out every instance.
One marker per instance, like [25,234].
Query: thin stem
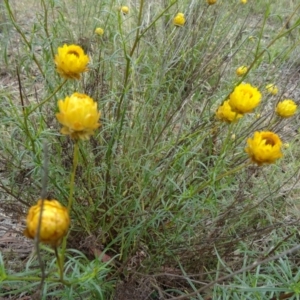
[28,43]
[137,38]
[72,180]
[48,98]
[37,246]
[129,56]
[240,271]
[233,171]
[226,142]
[46,26]
[60,264]
[150,26]
[45,170]
[70,200]
[36,278]
[26,127]
[281,33]
[258,55]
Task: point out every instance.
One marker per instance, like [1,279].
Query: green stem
[129,56]
[226,142]
[27,131]
[24,110]
[150,26]
[28,43]
[70,200]
[60,264]
[36,278]
[258,55]
[46,26]
[274,122]
[75,163]
[233,171]
[48,98]
[137,38]
[281,33]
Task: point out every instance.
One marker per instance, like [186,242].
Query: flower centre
[74,53]
[269,141]
[248,94]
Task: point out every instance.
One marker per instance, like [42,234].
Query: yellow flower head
[286,108]
[224,113]
[99,31]
[264,147]
[244,1]
[241,71]
[272,89]
[211,2]
[179,20]
[54,224]
[125,10]
[79,116]
[244,98]
[71,61]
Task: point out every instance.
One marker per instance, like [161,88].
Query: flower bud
[286,108]
[272,89]
[179,20]
[241,71]
[211,2]
[225,113]
[54,224]
[99,31]
[125,10]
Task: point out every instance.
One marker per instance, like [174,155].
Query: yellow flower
[79,116]
[211,2]
[264,147]
[244,1]
[71,61]
[125,10]
[54,224]
[272,89]
[224,113]
[179,20]
[286,108]
[99,31]
[241,71]
[244,98]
